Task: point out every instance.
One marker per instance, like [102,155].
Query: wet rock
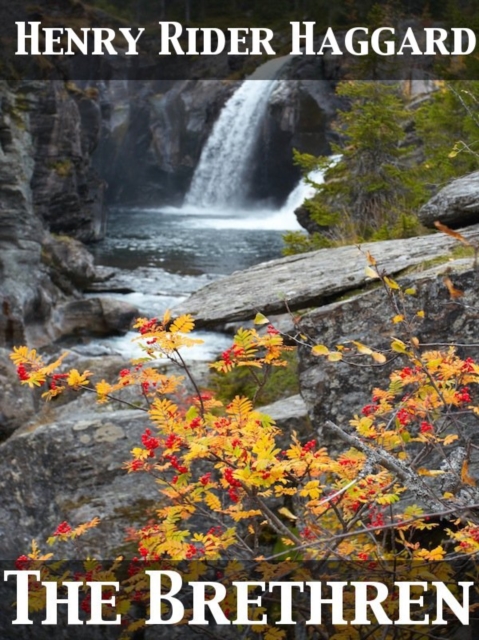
[152,137]
[71,265]
[456,205]
[26,292]
[94,316]
[309,279]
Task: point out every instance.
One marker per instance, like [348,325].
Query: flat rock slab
[310,279]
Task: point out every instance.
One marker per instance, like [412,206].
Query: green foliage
[280,382]
[298,242]
[449,128]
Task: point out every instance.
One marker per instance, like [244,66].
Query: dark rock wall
[67,193]
[26,292]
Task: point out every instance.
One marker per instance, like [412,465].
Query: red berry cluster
[172,440]
[206,479]
[234,484]
[22,373]
[196,422]
[368,409]
[230,355]
[468,365]
[403,417]
[62,529]
[192,551]
[149,442]
[173,460]
[426,427]
[309,447]
[149,326]
[375,518]
[463,395]
[22,563]
[272,330]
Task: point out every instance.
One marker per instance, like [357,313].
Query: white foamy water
[282,219]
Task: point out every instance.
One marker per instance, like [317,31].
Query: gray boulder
[93,316]
[71,468]
[70,264]
[456,205]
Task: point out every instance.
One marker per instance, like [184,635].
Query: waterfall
[222,172]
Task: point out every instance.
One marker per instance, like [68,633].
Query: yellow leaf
[453,234]
[371,273]
[398,318]
[273,633]
[183,324]
[392,284]
[54,365]
[378,357]
[103,388]
[411,291]
[421,314]
[398,346]
[466,478]
[362,348]
[260,319]
[335,357]
[284,511]
[77,379]
[453,292]
[320,350]
[213,502]
[435,554]
[140,454]
[388,498]
[370,259]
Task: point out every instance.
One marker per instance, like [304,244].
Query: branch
[381,457]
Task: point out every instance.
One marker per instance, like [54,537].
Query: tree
[369,189]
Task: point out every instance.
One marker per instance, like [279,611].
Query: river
[162,255]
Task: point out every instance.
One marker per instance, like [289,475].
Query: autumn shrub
[230,497]
[278,383]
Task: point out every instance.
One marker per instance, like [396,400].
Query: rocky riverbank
[65,463]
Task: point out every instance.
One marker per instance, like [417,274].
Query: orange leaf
[453,292]
[452,233]
[465,477]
